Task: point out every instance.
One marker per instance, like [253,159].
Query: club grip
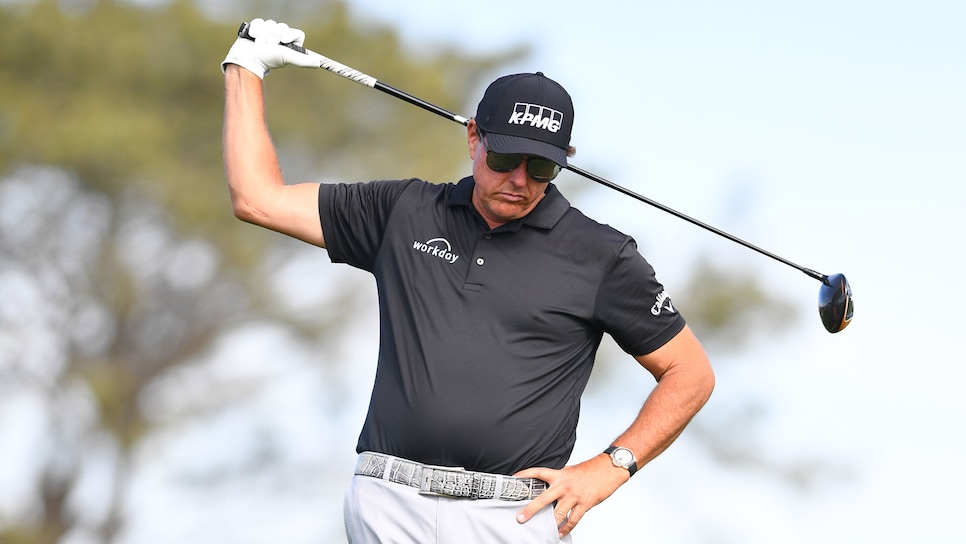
[243,33]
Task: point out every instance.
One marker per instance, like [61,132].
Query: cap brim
[504,143]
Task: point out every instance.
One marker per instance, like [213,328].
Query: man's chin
[510,212]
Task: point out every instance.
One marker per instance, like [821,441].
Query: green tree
[728,309]
[119,256]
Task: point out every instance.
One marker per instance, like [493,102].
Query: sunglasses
[538,168]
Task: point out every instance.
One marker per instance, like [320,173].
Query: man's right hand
[266,51]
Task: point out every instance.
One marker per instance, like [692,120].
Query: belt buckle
[426,479]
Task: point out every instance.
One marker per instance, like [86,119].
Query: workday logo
[663,303]
[536,116]
[437,247]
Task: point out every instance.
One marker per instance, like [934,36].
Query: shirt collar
[545,215]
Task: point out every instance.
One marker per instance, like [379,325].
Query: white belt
[448,481]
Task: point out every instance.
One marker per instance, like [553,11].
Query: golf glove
[260,55]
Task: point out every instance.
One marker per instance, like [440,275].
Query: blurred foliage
[131,96]
[120,258]
[727,309]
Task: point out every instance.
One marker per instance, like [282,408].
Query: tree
[119,256]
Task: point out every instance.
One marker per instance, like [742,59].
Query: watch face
[623,457]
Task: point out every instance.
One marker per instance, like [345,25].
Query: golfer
[494,294]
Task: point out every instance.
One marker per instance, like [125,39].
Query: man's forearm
[665,414]
[251,164]
[685,381]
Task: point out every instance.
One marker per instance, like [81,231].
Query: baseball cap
[529,114]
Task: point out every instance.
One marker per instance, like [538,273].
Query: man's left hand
[267,49]
[576,489]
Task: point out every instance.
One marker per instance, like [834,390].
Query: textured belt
[448,481]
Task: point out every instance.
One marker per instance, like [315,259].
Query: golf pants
[381,512]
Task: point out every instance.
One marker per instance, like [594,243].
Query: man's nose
[518,176]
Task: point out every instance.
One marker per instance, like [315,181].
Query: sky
[830,133]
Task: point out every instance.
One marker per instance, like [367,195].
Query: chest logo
[437,247]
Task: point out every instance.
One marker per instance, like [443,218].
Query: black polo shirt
[488,337]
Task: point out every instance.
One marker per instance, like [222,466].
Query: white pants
[381,512]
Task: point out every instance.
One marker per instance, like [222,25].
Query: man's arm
[258,191]
[684,384]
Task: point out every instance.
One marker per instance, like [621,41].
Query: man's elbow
[699,373]
[245,211]
[707,382]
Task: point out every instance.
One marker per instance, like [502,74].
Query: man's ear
[472,138]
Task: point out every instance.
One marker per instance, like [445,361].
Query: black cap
[529,114]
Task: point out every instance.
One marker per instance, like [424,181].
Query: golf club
[835,305]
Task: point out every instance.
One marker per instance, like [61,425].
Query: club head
[835,303]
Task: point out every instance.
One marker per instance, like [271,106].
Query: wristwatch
[623,458]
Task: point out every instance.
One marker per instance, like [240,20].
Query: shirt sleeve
[633,307]
[354,218]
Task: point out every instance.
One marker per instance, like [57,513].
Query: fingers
[255,27]
[567,513]
[569,520]
[573,491]
[271,32]
[544,500]
[562,513]
[292,35]
[545,474]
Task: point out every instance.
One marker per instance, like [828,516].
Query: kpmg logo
[437,247]
[536,116]
[663,303]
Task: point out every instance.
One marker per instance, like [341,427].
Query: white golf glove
[265,52]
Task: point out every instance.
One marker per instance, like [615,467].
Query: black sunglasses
[538,168]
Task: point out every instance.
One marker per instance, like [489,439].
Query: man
[494,294]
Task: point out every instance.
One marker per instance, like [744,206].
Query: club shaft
[380,86]
[369,81]
[693,221]
[607,183]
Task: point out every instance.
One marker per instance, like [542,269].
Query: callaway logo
[437,247]
[536,116]
[663,303]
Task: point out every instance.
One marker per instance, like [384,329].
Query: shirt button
[487,236]
[479,261]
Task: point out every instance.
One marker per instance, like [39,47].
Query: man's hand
[265,52]
[576,489]
[684,383]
